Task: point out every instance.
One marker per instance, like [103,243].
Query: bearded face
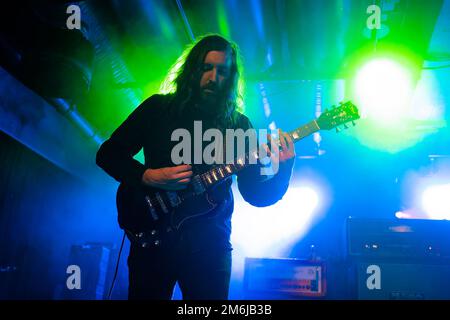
[215,73]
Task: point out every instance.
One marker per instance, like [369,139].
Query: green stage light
[383,86]
[383,89]
[222,19]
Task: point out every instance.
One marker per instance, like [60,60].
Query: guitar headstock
[341,115]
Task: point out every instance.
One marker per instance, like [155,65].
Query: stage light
[401,215]
[383,89]
[436,201]
[268,231]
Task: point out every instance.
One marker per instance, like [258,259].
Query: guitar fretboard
[304,131]
[223,171]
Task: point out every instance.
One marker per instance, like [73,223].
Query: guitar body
[150,215]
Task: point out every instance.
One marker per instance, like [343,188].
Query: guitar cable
[117,269]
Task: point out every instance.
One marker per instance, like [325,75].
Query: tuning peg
[345,126]
[337,130]
[353,123]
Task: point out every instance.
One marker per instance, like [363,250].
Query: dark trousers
[203,275]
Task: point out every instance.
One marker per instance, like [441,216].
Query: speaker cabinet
[401,281]
[399,259]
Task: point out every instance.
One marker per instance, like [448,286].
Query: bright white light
[406,215]
[383,89]
[262,232]
[436,201]
[399,215]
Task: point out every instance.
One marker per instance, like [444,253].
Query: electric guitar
[149,215]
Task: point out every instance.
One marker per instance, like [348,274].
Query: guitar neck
[223,171]
[304,131]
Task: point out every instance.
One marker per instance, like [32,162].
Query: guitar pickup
[173,198]
[151,208]
[161,203]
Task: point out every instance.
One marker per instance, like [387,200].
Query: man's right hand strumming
[169,178]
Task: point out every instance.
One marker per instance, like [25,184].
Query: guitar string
[203,176]
[307,130]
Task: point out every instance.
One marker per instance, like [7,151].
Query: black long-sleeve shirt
[150,127]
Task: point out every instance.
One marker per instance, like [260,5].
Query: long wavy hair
[183,79]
